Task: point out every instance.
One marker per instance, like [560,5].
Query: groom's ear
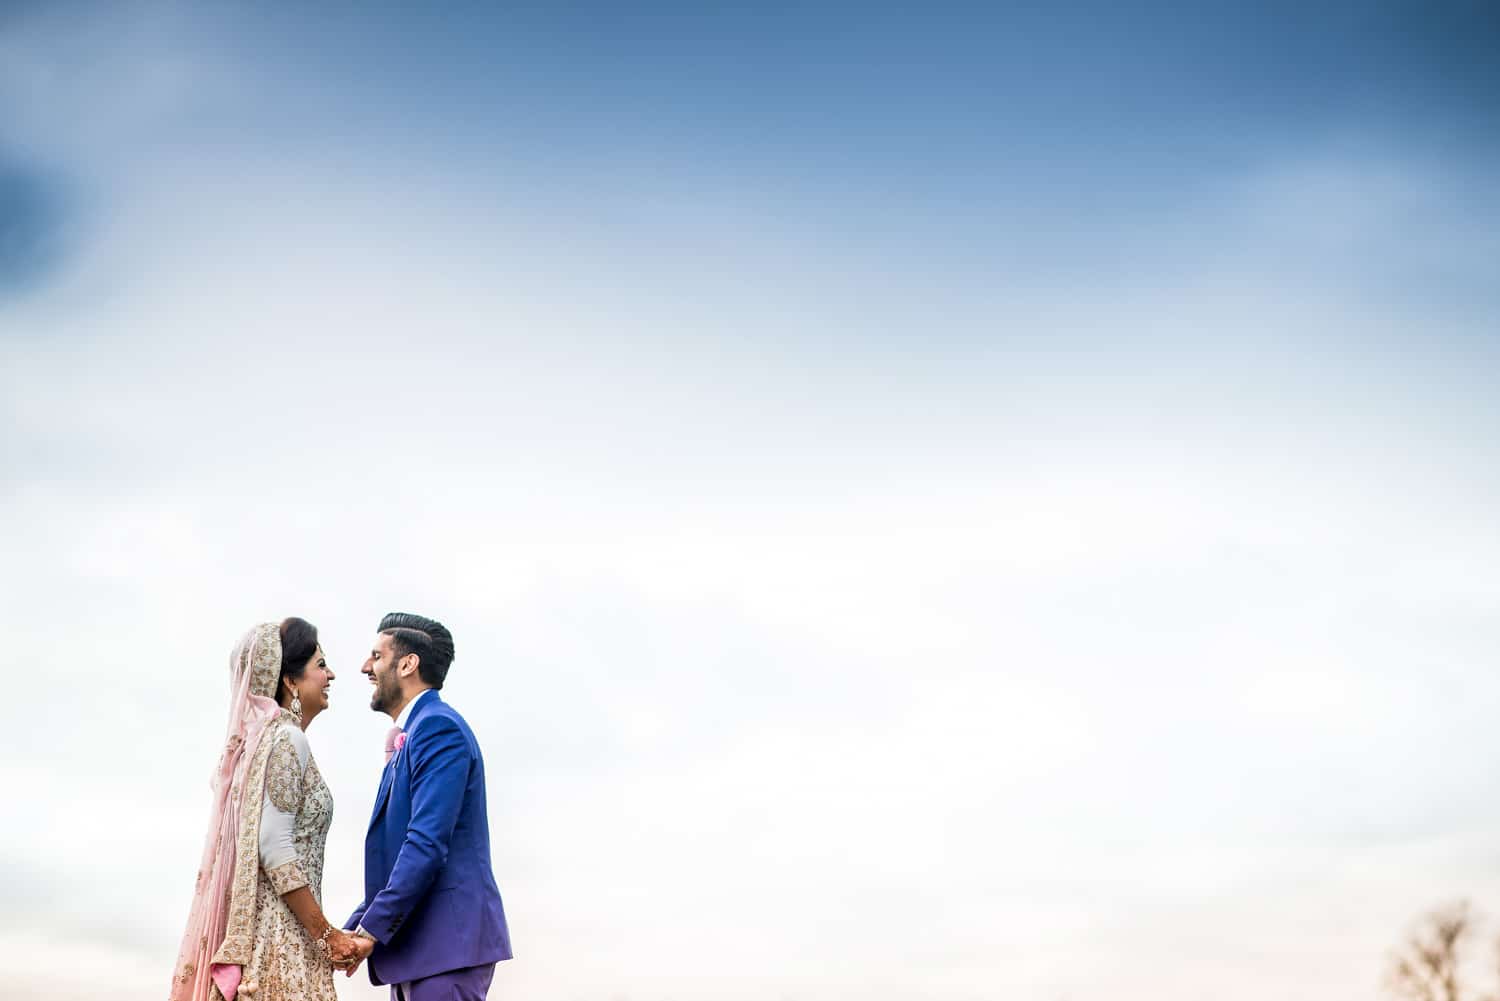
[412,661]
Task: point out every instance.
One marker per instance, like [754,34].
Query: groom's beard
[387,694]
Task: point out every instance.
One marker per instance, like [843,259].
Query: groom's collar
[404,716]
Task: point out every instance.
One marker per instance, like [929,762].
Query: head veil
[221,924]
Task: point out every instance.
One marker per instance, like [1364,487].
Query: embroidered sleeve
[286,878]
[280,806]
[284,776]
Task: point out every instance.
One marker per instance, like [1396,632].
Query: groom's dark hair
[428,638]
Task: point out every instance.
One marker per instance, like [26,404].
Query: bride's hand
[342,949]
[363,946]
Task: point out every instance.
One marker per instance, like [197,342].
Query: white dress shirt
[405,712]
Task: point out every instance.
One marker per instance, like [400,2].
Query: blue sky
[965,501]
[963,137]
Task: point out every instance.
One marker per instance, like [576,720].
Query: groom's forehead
[382,643]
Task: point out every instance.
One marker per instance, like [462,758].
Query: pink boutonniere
[400,741]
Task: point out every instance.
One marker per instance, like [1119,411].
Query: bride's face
[312,687]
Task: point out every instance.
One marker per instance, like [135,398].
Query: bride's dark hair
[299,641]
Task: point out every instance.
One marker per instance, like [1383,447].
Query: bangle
[323,938]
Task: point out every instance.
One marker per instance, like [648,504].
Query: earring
[296,707]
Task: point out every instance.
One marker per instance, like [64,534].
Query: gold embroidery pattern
[256,667]
[284,774]
[286,962]
[235,949]
[280,958]
[285,878]
[265,661]
[311,830]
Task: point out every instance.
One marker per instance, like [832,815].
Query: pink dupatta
[254,669]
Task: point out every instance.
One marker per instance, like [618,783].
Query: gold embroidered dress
[285,963]
[266,830]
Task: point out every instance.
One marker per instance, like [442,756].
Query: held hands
[349,951]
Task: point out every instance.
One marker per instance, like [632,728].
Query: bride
[257,928]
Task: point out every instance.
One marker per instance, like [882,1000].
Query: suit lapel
[388,777]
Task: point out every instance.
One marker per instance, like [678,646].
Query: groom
[431,924]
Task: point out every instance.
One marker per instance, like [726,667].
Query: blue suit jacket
[430,896]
